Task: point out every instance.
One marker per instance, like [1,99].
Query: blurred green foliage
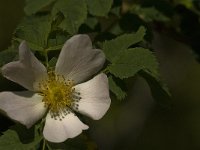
[131,33]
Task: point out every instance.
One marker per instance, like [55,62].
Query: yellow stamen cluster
[58,95]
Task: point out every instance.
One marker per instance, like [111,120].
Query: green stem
[48,146]
[106,71]
[46,58]
[40,132]
[44,144]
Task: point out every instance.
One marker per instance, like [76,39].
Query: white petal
[95,99]
[59,130]
[28,71]
[77,60]
[24,107]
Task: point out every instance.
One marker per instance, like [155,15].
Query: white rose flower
[58,94]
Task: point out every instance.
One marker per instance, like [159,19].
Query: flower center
[59,95]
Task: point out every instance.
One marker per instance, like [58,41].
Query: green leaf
[116,11]
[35,30]
[149,14]
[120,94]
[133,60]
[113,47]
[187,3]
[20,138]
[57,42]
[91,22]
[33,6]
[99,7]
[159,90]
[52,62]
[75,13]
[7,56]
[116,30]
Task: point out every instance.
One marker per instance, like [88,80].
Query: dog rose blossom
[57,95]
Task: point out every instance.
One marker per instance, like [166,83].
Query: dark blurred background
[10,14]
[138,122]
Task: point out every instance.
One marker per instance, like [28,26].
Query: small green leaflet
[133,60]
[91,22]
[13,139]
[35,30]
[99,7]
[57,42]
[33,6]
[149,14]
[10,140]
[113,47]
[120,94]
[75,13]
[52,62]
[187,3]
